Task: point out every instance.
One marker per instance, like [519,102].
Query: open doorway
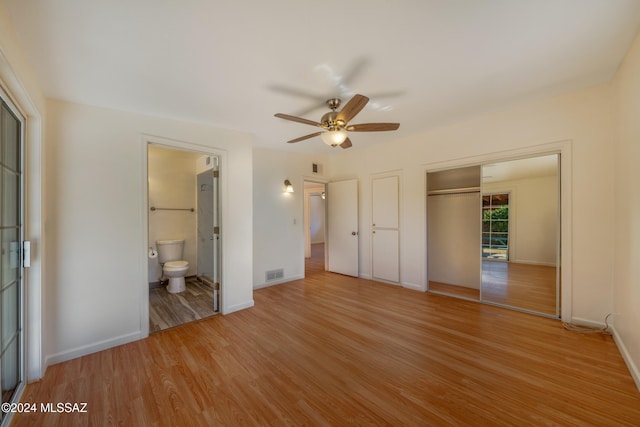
[183,236]
[314,227]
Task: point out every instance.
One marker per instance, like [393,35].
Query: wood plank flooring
[331,350]
[167,310]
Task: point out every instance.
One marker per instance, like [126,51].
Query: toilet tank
[169,250]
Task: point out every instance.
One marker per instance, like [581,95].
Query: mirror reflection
[493,233]
[520,234]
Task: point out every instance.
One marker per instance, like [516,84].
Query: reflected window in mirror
[495,226]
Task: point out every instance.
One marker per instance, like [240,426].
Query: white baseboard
[585,322]
[238,307]
[412,286]
[63,356]
[635,373]
[278,282]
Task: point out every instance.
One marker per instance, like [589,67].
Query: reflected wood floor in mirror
[167,310]
[526,286]
[333,350]
[454,290]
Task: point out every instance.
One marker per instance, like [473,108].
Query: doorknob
[354,233]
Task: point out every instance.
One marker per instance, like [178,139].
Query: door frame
[22,270]
[564,149]
[145,140]
[15,91]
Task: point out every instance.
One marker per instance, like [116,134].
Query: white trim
[412,286]
[52,359]
[145,140]
[238,307]
[564,148]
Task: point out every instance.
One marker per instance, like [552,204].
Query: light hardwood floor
[335,350]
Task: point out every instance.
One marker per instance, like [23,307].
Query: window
[495,226]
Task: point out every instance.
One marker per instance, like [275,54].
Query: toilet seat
[175,265]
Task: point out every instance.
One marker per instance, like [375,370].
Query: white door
[386,255]
[342,227]
[385,229]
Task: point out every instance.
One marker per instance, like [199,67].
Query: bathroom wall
[172,184]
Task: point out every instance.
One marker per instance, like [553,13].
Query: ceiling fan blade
[302,138]
[352,108]
[372,127]
[298,119]
[346,143]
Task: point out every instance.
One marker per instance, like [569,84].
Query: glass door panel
[11,332]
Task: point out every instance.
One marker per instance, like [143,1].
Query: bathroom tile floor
[167,310]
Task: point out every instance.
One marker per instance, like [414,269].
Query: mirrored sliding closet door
[520,234]
[493,233]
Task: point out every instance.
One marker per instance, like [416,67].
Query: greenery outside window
[495,226]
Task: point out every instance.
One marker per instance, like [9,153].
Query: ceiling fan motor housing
[329,121]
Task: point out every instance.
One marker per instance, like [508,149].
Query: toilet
[173,266]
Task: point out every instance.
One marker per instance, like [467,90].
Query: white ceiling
[234,64]
[532,167]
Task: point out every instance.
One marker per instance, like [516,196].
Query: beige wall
[625,213]
[279,217]
[97,249]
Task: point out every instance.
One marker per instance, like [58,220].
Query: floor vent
[274,274]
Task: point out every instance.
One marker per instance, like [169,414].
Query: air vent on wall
[316,168]
[274,275]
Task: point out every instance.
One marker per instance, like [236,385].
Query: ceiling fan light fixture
[334,137]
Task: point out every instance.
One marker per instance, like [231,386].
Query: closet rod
[454,191]
[153,208]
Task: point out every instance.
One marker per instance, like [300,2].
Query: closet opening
[493,233]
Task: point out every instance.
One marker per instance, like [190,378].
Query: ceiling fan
[335,123]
